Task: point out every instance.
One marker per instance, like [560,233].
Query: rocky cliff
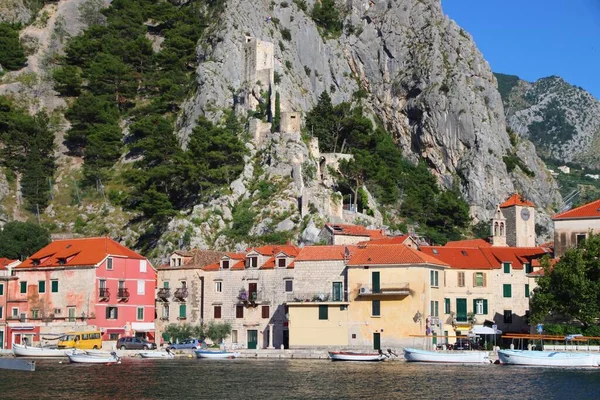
[561,119]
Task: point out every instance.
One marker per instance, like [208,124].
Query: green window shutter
[323,312]
[182,311]
[376,308]
[23,287]
[166,284]
[42,287]
[1,289]
[54,286]
[527,290]
[376,280]
[507,290]
[140,313]
[507,268]
[485,306]
[446,306]
[475,306]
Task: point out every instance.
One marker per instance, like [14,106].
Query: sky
[535,38]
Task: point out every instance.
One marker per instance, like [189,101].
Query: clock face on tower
[525,214]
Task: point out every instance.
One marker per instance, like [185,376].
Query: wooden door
[252,339]
[376,340]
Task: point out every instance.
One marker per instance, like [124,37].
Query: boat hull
[349,356]
[546,358]
[28,351]
[87,359]
[453,357]
[156,354]
[215,354]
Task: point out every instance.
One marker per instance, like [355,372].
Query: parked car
[465,344]
[186,344]
[134,343]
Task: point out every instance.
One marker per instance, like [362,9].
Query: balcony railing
[164,294]
[103,293]
[385,289]
[306,297]
[247,297]
[123,294]
[181,294]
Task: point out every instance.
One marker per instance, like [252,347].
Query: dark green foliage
[12,56]
[327,16]
[19,240]
[178,332]
[67,80]
[28,150]
[554,127]
[286,34]
[505,84]
[481,229]
[571,287]
[301,4]
[512,161]
[277,117]
[242,220]
[512,136]
[217,331]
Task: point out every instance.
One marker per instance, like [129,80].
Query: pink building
[81,284]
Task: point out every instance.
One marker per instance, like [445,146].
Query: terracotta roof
[460,258]
[197,259]
[589,210]
[323,253]
[184,253]
[515,255]
[355,230]
[271,250]
[239,266]
[78,252]
[212,267]
[4,262]
[469,243]
[388,240]
[392,254]
[516,200]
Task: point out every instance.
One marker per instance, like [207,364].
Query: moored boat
[88,359]
[450,356]
[97,353]
[216,354]
[546,358]
[352,356]
[156,354]
[20,350]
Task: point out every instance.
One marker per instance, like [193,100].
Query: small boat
[546,358]
[216,354]
[20,350]
[157,354]
[352,356]
[88,359]
[450,356]
[98,353]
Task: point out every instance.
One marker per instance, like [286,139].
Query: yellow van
[81,340]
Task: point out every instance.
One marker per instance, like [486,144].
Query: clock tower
[520,221]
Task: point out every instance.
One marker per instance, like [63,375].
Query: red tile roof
[271,250]
[355,230]
[78,252]
[459,258]
[195,259]
[469,243]
[4,262]
[589,210]
[516,200]
[388,240]
[323,253]
[515,255]
[390,254]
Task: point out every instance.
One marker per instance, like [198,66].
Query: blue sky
[535,38]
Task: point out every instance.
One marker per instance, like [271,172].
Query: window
[265,312]
[461,279]
[225,264]
[527,290]
[1,289]
[281,262]
[140,313]
[165,311]
[337,291]
[142,265]
[24,287]
[182,311]
[54,285]
[239,311]
[434,278]
[580,238]
[141,287]
[323,312]
[184,284]
[217,312]
[42,287]
[506,268]
[376,308]
[113,336]
[479,279]
[434,308]
[251,262]
[35,314]
[480,306]
[109,263]
[376,281]
[218,287]
[508,316]
[1,312]
[507,290]
[57,311]
[447,308]
[166,284]
[121,284]
[528,268]
[289,285]
[111,313]
[15,312]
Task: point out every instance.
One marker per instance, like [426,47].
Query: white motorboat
[547,358]
[20,350]
[98,353]
[216,354]
[352,356]
[450,356]
[88,359]
[157,354]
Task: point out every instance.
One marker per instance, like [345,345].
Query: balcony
[315,297]
[103,294]
[123,294]
[248,298]
[385,289]
[163,294]
[181,294]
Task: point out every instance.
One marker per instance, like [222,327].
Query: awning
[142,326]
[484,330]
[22,328]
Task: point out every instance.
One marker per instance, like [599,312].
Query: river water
[251,379]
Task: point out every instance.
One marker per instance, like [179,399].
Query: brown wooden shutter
[484,279]
[474,279]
